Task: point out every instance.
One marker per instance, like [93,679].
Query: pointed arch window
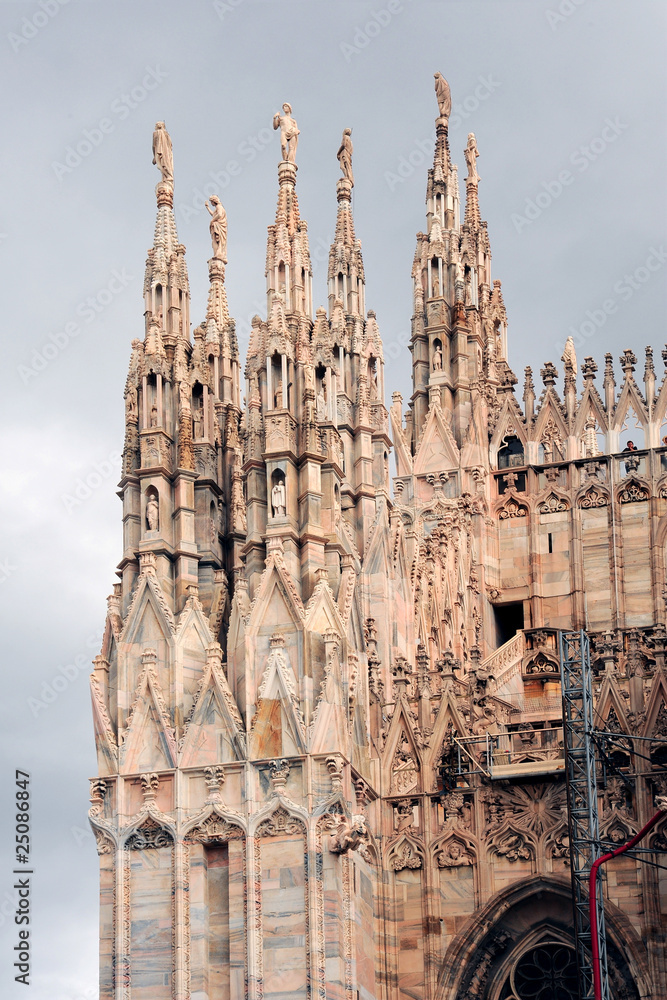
[510,454]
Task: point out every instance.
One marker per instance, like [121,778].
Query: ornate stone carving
[634,492]
[349,835]
[215,829]
[280,824]
[149,836]
[404,855]
[593,497]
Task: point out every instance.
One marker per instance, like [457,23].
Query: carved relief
[149,836]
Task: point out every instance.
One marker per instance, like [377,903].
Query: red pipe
[592,898]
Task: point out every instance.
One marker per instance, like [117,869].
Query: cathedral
[327,707]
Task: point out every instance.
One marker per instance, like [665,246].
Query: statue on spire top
[289,133]
[471,153]
[344,155]
[443,94]
[162,153]
[218,228]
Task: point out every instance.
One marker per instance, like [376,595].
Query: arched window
[510,454]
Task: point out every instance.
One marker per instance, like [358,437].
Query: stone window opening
[510,453]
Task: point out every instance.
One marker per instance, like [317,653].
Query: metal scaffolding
[582,800]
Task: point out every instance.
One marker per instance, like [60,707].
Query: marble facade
[295,643]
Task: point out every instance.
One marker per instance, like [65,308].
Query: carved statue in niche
[344,155]
[218,228]
[278,396]
[437,359]
[453,856]
[436,286]
[278,502]
[153,416]
[321,401]
[198,423]
[152,513]
[375,391]
[162,152]
[289,133]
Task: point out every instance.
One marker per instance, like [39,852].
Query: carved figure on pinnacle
[162,152]
[443,94]
[344,155]
[289,133]
[218,228]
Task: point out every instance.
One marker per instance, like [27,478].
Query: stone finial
[628,361]
[279,773]
[649,367]
[588,369]
[362,793]
[549,373]
[101,666]
[401,670]
[149,656]
[334,766]
[214,777]
[147,563]
[98,789]
[150,784]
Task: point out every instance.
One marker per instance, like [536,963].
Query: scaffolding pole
[582,803]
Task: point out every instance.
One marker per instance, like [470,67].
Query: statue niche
[152,509]
[278,494]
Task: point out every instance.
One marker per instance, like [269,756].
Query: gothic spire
[346,265]
[288,266]
[166,286]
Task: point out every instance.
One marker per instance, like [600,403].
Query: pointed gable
[437,450]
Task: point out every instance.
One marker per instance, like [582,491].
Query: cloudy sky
[567,100]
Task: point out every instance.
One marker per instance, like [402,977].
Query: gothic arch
[478,959]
